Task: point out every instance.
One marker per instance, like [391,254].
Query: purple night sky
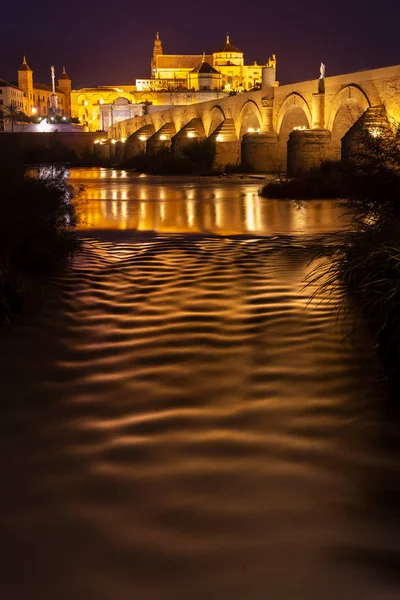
[111,43]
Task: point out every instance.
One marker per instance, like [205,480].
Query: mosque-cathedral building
[175,79]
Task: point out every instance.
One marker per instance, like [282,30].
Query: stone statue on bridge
[322,71]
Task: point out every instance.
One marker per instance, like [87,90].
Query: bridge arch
[249,119]
[212,119]
[347,107]
[294,112]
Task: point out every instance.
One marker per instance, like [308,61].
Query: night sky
[111,43]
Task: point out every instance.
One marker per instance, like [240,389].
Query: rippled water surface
[179,421]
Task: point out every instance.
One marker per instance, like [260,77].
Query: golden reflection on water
[185,414]
[221,206]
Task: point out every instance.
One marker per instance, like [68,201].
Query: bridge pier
[191,132]
[161,139]
[102,150]
[307,148]
[136,143]
[227,145]
[259,152]
[119,150]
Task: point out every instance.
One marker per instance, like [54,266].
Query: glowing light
[190,211]
[162,211]
[163,137]
[142,138]
[299,128]
[219,137]
[101,101]
[64,118]
[34,110]
[191,134]
[251,130]
[97,141]
[43,126]
[52,119]
[123,140]
[113,141]
[86,103]
[375,132]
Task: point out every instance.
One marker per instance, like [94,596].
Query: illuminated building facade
[101,107]
[37,96]
[228,62]
[9,94]
[175,80]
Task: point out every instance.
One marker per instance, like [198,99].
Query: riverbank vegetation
[329,180]
[36,228]
[366,263]
[195,158]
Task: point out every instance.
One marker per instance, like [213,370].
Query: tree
[12,113]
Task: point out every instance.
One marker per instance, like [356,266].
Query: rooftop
[228,47]
[205,67]
[24,66]
[180,61]
[4,83]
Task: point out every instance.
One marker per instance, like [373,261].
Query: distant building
[37,96]
[9,94]
[176,79]
[228,61]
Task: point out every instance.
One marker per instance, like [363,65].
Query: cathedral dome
[228,47]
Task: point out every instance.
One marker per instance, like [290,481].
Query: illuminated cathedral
[223,70]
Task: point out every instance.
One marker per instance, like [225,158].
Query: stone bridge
[255,127]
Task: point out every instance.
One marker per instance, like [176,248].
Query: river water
[180,421]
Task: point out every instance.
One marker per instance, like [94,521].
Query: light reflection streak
[218,215]
[190,212]
[174,208]
[251,213]
[162,211]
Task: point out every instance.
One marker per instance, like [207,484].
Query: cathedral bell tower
[157,50]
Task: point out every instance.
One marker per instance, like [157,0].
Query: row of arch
[345,109]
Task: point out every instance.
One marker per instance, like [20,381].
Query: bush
[329,180]
[365,264]
[36,227]
[197,157]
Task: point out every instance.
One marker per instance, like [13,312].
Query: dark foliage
[197,157]
[329,180]
[365,264]
[36,227]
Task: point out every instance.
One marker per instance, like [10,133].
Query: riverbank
[37,225]
[332,179]
[366,262]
